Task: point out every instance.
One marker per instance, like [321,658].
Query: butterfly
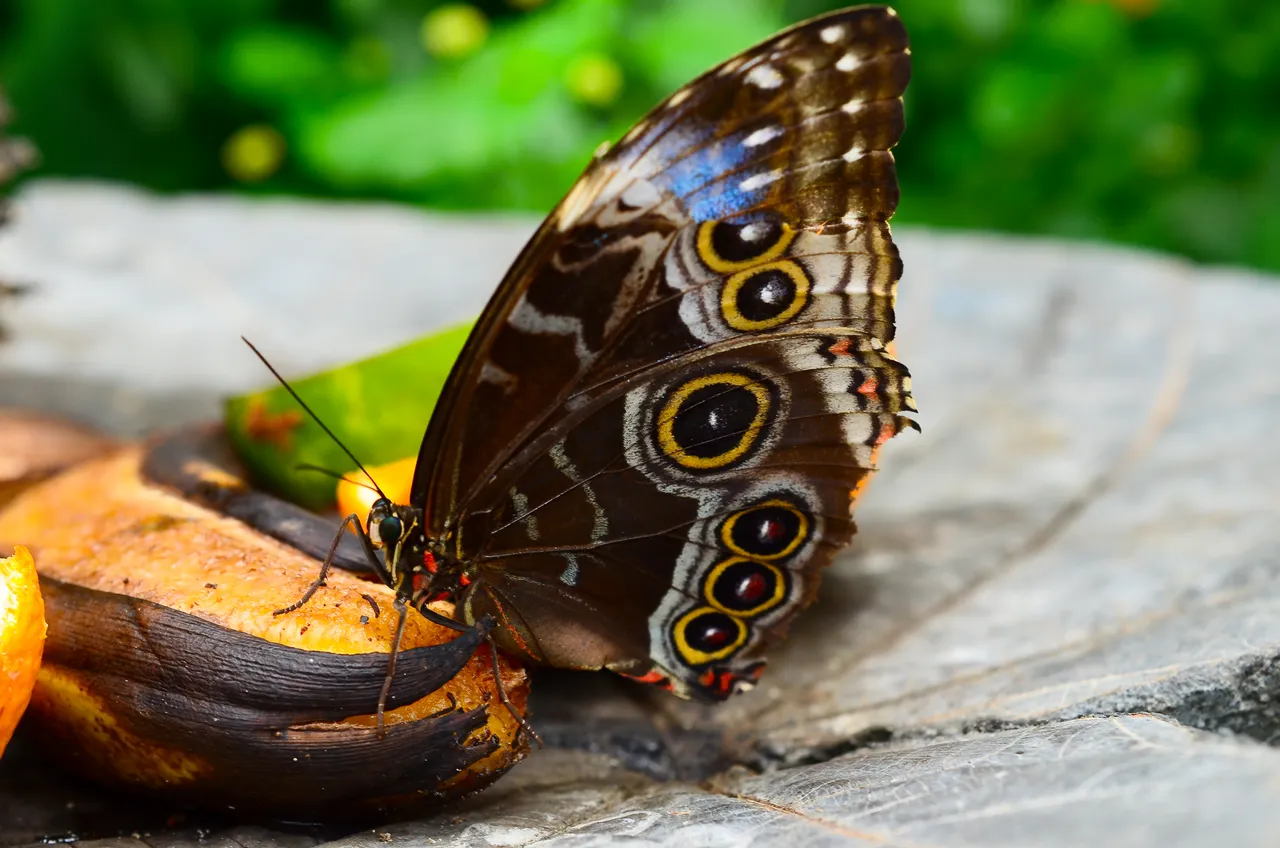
[650,445]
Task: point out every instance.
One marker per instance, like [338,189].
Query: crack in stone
[1243,702]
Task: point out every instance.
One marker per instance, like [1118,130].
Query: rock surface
[1059,625]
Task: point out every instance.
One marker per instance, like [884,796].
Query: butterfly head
[410,564]
[392,529]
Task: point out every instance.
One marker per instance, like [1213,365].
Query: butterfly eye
[389,530]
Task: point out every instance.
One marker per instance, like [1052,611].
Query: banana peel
[34,447]
[166,671]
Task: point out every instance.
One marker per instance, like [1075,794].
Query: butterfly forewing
[651,443]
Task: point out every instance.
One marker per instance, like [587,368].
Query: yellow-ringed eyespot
[764,297]
[705,635]
[744,587]
[769,530]
[713,421]
[726,246]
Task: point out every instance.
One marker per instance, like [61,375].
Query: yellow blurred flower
[594,78]
[454,31]
[253,153]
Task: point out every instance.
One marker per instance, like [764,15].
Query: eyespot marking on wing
[728,246]
[766,297]
[744,587]
[706,635]
[770,530]
[713,421]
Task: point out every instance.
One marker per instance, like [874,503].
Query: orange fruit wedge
[394,478]
[22,629]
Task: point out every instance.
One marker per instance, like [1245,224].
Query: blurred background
[1146,122]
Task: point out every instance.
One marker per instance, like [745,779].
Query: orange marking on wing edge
[868,386]
[649,677]
[841,347]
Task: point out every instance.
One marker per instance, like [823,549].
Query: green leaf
[379,407]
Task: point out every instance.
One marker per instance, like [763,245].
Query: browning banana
[166,671]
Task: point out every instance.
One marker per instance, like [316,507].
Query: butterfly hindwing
[651,444]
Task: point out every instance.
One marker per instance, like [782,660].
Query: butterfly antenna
[306,466]
[316,418]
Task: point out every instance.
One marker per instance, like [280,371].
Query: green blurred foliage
[1152,122]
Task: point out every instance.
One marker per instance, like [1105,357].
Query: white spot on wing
[679,97]
[520,501]
[764,135]
[569,576]
[847,62]
[527,318]
[600,521]
[857,430]
[832,34]
[854,154]
[641,194]
[764,76]
[490,373]
[758,180]
[854,106]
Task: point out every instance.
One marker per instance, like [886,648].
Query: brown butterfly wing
[650,442]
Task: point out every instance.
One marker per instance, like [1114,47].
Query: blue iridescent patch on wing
[714,177]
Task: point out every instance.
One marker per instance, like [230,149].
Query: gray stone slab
[1083,534]
[1130,780]
[140,302]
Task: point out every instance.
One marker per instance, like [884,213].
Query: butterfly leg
[487,624]
[403,611]
[353,520]
[525,727]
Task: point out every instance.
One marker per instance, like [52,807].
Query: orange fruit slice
[394,478]
[22,630]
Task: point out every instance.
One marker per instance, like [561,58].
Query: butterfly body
[651,443]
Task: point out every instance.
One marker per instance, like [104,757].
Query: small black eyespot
[712,631]
[745,587]
[715,419]
[766,295]
[744,242]
[389,530]
[769,530]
